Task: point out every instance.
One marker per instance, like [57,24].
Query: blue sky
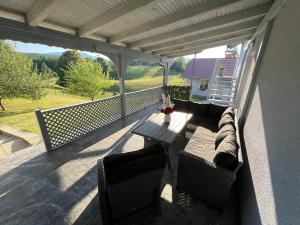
[217,52]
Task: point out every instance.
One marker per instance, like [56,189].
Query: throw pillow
[229,111]
[226,153]
[224,132]
[226,119]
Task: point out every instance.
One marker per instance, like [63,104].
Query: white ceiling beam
[272,13]
[18,31]
[231,19]
[204,36]
[200,48]
[123,9]
[204,42]
[69,30]
[40,10]
[187,13]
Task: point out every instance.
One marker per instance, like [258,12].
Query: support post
[43,129]
[239,72]
[122,67]
[166,64]
[121,60]
[166,74]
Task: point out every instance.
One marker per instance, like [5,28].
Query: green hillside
[136,72]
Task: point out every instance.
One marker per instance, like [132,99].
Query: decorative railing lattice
[63,125]
[138,100]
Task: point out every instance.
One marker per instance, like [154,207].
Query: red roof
[204,67]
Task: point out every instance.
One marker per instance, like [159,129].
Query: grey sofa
[129,183]
[208,166]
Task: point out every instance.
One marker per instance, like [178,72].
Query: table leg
[147,142]
[166,147]
[183,132]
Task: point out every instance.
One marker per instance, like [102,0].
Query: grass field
[19,113]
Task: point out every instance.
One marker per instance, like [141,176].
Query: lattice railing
[63,125]
[138,100]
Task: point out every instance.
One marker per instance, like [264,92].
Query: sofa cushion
[226,153]
[229,111]
[202,143]
[198,109]
[215,111]
[226,119]
[223,132]
[181,105]
[206,131]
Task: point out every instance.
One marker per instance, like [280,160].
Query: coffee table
[154,129]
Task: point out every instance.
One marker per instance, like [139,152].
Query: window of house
[203,85]
[220,70]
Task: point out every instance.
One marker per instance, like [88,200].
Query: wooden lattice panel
[136,101]
[66,124]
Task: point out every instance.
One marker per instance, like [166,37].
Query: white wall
[196,87]
[270,180]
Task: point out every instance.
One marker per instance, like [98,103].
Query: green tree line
[27,76]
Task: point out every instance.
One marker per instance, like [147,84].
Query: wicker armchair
[129,183]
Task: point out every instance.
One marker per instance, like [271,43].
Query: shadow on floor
[60,187]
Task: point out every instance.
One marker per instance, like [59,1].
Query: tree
[87,78]
[17,77]
[39,60]
[112,71]
[67,58]
[103,63]
[179,65]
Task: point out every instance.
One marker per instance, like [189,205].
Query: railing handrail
[91,102]
[78,104]
[148,89]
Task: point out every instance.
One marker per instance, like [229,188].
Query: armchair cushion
[226,153]
[129,183]
[124,166]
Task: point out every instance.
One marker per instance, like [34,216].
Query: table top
[156,129]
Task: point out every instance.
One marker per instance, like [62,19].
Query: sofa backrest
[199,109]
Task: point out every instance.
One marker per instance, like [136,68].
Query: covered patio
[61,187]
[55,182]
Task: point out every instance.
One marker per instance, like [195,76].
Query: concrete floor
[40,188]
[10,145]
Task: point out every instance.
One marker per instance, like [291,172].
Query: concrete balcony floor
[39,188]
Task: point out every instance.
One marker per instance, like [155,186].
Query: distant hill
[40,55]
[56,55]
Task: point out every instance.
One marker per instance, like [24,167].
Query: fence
[63,125]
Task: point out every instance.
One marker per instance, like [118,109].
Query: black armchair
[129,183]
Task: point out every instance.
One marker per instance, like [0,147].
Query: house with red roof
[200,71]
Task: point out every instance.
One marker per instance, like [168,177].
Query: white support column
[121,61]
[122,83]
[166,74]
[166,64]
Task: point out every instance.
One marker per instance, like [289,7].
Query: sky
[217,52]
[39,48]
